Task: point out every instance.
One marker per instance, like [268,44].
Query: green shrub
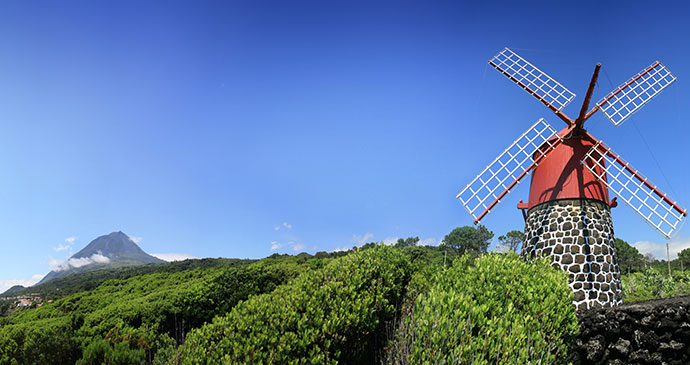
[651,284]
[495,309]
[47,341]
[681,280]
[119,353]
[335,314]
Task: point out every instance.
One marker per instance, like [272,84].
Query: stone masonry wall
[577,234]
[649,332]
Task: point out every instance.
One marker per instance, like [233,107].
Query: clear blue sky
[239,129]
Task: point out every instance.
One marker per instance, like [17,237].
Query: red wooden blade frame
[629,97]
[501,173]
[644,198]
[534,81]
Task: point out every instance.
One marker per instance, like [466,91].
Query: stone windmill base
[577,235]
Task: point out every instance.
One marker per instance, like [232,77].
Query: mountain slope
[85,281]
[109,251]
[11,291]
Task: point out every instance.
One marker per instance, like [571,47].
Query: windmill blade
[628,98]
[635,190]
[506,171]
[538,84]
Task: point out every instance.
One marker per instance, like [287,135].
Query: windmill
[568,213]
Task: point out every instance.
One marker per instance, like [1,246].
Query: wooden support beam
[583,111]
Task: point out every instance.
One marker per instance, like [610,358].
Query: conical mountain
[109,251]
[114,245]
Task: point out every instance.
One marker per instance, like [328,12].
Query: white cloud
[361,240]
[68,246]
[427,242]
[285,225]
[174,256]
[275,245]
[8,283]
[60,265]
[100,258]
[136,239]
[659,249]
[390,241]
[79,262]
[63,248]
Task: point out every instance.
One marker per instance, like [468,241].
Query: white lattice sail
[497,179]
[635,190]
[628,98]
[531,79]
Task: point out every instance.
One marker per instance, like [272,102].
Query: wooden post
[668,259]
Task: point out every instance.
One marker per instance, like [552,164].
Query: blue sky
[240,129]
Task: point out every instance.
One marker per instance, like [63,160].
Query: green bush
[495,309]
[47,341]
[651,284]
[335,314]
[118,353]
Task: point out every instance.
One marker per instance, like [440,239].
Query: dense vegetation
[497,309]
[64,286]
[132,319]
[396,304]
[336,314]
[644,277]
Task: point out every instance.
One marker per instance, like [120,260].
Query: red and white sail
[628,98]
[655,207]
[494,183]
[533,80]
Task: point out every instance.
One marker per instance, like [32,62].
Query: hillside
[110,251]
[84,281]
[155,305]
[15,290]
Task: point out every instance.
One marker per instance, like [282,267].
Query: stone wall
[577,234]
[649,332]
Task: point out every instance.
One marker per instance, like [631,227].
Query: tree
[409,241]
[4,307]
[629,258]
[684,257]
[649,259]
[511,241]
[468,239]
